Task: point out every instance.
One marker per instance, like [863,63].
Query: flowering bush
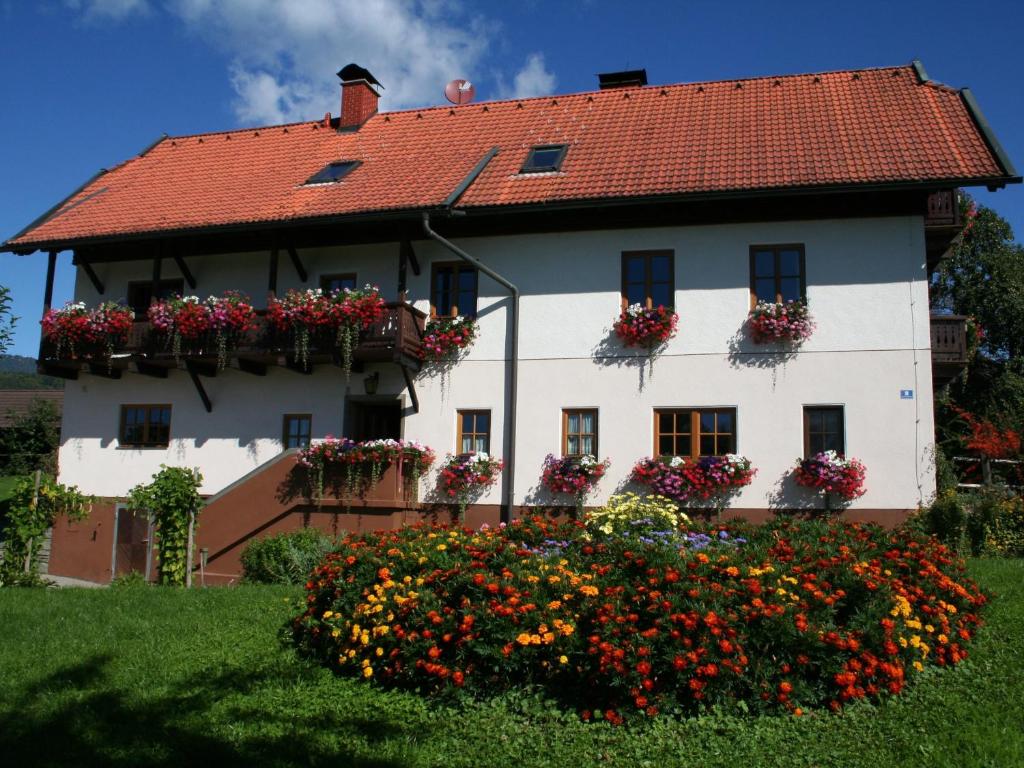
[629,513]
[332,319]
[780,322]
[683,479]
[639,326]
[192,326]
[78,330]
[575,475]
[363,462]
[465,474]
[445,337]
[785,617]
[833,474]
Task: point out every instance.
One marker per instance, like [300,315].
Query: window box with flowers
[189,326]
[463,477]
[445,338]
[79,332]
[573,475]
[645,327]
[685,479]
[776,322]
[362,463]
[832,473]
[315,319]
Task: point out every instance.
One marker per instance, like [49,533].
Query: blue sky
[87,83]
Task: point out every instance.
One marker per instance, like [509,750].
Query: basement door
[132,543]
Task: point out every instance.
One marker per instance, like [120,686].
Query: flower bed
[465,475]
[363,462]
[190,326]
[574,475]
[687,479]
[833,474]
[638,326]
[334,320]
[446,337]
[788,322]
[79,331]
[784,617]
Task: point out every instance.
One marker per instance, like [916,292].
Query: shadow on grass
[97,723]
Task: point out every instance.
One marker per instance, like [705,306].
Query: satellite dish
[459,91]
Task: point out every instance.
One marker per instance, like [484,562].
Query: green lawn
[147,676]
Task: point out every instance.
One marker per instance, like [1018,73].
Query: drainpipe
[510,420]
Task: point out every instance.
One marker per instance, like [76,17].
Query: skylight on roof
[333,172]
[545,158]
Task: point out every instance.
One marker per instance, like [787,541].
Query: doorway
[374,420]
[132,552]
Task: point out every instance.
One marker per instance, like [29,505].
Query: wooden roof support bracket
[297,263]
[410,385]
[193,373]
[93,278]
[185,271]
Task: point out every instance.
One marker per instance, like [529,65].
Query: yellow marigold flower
[533,579]
[549,637]
[554,605]
[422,560]
[943,639]
[589,590]
[328,614]
[365,663]
[335,632]
[379,651]
[535,639]
[563,659]
[368,672]
[918,666]
[442,547]
[903,642]
[929,628]
[406,579]
[554,579]
[523,639]
[915,640]
[567,597]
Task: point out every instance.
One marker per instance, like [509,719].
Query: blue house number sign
[906,394]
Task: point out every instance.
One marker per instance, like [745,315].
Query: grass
[150,676]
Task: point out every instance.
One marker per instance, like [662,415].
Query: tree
[30,441]
[7,320]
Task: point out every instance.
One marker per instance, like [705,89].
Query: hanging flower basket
[833,474]
[189,326]
[777,322]
[81,332]
[638,326]
[363,462]
[314,318]
[684,479]
[465,475]
[446,337]
[574,475]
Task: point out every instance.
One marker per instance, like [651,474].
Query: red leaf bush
[638,326]
[784,617]
[446,337]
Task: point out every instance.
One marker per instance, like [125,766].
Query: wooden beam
[410,385]
[403,263]
[185,272]
[93,277]
[194,375]
[157,267]
[412,257]
[294,256]
[272,282]
[51,267]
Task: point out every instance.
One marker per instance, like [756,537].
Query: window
[140,294]
[329,283]
[474,432]
[777,273]
[453,290]
[333,172]
[694,431]
[823,429]
[145,426]
[545,158]
[297,429]
[647,279]
[579,432]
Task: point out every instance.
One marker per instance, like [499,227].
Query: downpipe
[510,406]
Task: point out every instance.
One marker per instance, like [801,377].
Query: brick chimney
[358,96]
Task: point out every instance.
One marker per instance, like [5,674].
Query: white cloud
[283,53]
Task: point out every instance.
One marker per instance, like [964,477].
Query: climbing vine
[172,500]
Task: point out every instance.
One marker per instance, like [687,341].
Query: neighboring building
[15,403]
[837,187]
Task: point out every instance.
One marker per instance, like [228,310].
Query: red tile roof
[875,126]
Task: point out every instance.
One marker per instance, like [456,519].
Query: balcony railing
[949,346]
[396,337]
[943,209]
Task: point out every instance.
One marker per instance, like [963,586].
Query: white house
[542,217]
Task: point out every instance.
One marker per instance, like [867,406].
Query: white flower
[676,461]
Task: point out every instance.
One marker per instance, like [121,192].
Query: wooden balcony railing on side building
[949,347]
[396,337]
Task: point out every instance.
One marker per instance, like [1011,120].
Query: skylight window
[545,158]
[333,172]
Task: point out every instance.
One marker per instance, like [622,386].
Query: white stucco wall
[866,286]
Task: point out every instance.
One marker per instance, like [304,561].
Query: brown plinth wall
[266,502]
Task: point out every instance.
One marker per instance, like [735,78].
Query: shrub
[286,558]
[173,501]
[989,521]
[629,513]
[782,617]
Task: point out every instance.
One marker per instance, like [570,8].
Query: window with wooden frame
[777,273]
[648,279]
[823,429]
[297,430]
[694,432]
[579,432]
[453,289]
[145,426]
[329,283]
[474,432]
[140,293]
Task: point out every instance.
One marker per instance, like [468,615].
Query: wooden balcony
[949,347]
[942,224]
[397,338]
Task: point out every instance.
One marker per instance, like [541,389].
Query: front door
[375,421]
